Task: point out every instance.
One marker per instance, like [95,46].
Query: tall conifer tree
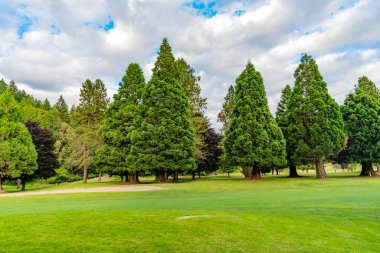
[224,115]
[253,139]
[282,121]
[316,128]
[121,118]
[361,112]
[165,140]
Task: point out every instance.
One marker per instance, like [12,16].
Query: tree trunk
[100,177]
[247,171]
[320,169]
[193,175]
[277,172]
[18,184]
[175,176]
[366,169]
[23,183]
[199,174]
[293,170]
[85,174]
[1,185]
[272,171]
[228,173]
[133,178]
[378,167]
[121,178]
[161,177]
[256,174]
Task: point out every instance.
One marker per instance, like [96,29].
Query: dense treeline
[158,127]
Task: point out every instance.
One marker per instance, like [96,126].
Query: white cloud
[66,43]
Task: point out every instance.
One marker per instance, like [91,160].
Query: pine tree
[361,113]
[61,106]
[282,121]
[165,140]
[189,83]
[46,105]
[316,128]
[87,119]
[224,115]
[253,139]
[121,118]
[17,153]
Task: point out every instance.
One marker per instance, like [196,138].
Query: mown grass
[276,214]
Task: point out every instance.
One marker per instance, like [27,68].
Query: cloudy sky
[49,47]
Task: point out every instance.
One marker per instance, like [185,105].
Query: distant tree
[224,115]
[44,142]
[17,153]
[165,140]
[253,139]
[361,113]
[87,119]
[283,122]
[3,86]
[316,128]
[46,105]
[62,108]
[117,156]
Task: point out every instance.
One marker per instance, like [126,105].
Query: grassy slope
[276,214]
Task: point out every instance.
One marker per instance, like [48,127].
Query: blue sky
[50,47]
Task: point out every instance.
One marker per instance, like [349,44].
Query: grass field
[214,214]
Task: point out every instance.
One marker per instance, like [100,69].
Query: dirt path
[85,190]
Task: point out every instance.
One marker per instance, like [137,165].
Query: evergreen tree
[46,105]
[361,113]
[44,142]
[3,86]
[282,121]
[316,128]
[253,139]
[165,140]
[213,150]
[224,115]
[121,118]
[61,106]
[17,153]
[87,119]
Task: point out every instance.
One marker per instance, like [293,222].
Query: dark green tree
[121,118]
[282,121]
[253,139]
[361,113]
[61,106]
[315,123]
[165,140]
[46,158]
[224,115]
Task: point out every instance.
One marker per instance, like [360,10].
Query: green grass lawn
[276,214]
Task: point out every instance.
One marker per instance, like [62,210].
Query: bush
[63,175]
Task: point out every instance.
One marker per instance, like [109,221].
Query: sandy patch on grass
[195,216]
[85,190]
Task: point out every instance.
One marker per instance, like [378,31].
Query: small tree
[224,115]
[253,139]
[62,108]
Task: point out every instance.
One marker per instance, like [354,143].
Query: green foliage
[62,108]
[46,105]
[361,113]
[224,116]
[315,123]
[165,140]
[63,175]
[253,137]
[121,118]
[17,153]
